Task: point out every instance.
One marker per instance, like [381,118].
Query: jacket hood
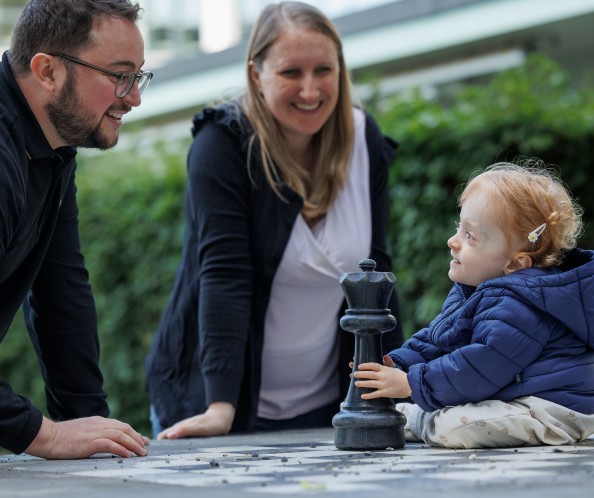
[565,292]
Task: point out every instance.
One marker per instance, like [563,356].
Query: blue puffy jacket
[527,333]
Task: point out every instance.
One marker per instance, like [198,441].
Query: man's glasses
[124,82]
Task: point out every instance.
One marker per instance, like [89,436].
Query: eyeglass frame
[119,75]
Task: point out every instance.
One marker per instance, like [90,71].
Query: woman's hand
[388,382]
[216,421]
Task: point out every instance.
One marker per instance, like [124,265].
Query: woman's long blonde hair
[333,143]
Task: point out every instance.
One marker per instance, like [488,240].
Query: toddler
[509,360]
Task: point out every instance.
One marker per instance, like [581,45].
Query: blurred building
[183,26]
[397,45]
[9,12]
[196,48]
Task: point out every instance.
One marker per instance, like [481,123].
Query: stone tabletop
[305,463]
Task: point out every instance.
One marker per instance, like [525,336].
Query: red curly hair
[525,196]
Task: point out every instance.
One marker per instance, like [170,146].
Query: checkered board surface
[320,467]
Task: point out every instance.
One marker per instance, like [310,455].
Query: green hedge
[131,223]
[131,206]
[532,111]
[131,230]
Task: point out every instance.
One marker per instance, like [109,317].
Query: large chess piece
[367,424]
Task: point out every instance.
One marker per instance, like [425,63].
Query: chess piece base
[369,430]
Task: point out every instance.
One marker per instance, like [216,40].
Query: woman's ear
[255,75]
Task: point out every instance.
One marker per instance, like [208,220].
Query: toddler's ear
[518,262]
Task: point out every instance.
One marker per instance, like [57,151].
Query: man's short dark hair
[62,26]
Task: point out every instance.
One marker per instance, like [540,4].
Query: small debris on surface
[214,464]
[312,486]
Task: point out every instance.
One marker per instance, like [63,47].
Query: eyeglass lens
[126,81]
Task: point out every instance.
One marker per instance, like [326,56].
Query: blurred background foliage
[131,210]
[531,111]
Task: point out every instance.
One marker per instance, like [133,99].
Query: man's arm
[19,420]
[62,322]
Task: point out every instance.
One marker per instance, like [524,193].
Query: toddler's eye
[468,235]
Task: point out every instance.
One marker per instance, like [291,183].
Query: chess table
[305,463]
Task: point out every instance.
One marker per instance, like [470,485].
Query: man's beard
[75,128]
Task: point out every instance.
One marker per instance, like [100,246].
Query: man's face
[75,125]
[86,112]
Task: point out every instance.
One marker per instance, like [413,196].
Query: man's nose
[133,96]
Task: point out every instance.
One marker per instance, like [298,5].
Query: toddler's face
[479,248]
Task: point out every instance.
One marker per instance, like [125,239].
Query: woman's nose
[309,87]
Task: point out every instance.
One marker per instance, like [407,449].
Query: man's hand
[388,382]
[216,421]
[83,437]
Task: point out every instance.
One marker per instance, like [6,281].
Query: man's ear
[48,72]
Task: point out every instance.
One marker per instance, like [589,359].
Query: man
[72,72]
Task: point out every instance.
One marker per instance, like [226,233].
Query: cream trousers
[526,421]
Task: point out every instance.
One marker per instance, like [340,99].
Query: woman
[287,190]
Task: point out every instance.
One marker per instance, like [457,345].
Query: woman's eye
[290,72]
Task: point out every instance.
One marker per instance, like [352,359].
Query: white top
[299,359]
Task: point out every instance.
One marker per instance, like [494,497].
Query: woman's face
[299,80]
